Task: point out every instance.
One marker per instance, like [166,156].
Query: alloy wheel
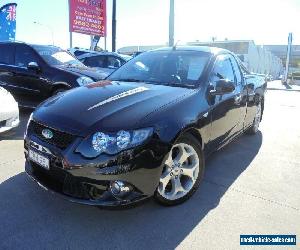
[180,172]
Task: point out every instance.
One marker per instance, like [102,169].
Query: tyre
[182,172]
[257,119]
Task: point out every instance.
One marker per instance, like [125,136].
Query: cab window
[95,61]
[7,54]
[237,71]
[113,62]
[24,55]
[222,70]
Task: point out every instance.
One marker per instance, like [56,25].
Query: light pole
[290,40]
[114,25]
[51,31]
[171,24]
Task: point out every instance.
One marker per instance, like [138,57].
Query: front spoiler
[107,201]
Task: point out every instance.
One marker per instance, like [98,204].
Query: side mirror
[223,86]
[33,66]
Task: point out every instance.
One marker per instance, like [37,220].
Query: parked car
[269,78]
[107,62]
[76,51]
[144,131]
[33,73]
[9,111]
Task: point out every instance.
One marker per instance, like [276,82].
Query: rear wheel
[257,119]
[182,172]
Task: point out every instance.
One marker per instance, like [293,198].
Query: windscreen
[56,56]
[164,67]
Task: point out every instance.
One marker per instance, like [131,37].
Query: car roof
[105,53]
[43,45]
[8,41]
[211,50]
[29,44]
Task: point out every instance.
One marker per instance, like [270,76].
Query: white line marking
[122,95]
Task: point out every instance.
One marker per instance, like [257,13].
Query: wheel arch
[260,98]
[192,131]
[60,85]
[262,106]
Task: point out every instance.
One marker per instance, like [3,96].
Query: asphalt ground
[250,187]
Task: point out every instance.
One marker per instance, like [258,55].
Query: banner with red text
[88,17]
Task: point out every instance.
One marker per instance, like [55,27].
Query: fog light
[119,188]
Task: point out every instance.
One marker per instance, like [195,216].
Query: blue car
[107,62]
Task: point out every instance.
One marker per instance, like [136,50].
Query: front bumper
[85,181]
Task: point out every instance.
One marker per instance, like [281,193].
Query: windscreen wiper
[127,80]
[183,85]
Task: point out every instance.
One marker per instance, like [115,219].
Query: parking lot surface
[251,187]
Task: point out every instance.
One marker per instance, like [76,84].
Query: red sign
[88,17]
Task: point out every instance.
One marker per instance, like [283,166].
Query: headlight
[29,120]
[123,139]
[113,143]
[83,80]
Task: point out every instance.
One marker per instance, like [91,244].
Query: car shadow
[18,133]
[33,218]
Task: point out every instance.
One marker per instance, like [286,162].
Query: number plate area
[39,159]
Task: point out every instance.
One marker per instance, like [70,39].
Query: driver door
[29,82]
[224,109]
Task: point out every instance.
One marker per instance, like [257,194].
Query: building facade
[256,58]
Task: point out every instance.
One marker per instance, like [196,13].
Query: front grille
[60,139]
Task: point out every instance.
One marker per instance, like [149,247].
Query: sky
[145,22]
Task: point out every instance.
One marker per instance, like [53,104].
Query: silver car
[9,111]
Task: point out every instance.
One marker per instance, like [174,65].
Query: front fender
[61,85]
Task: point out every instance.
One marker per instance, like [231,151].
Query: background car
[269,78]
[76,51]
[9,111]
[104,61]
[32,73]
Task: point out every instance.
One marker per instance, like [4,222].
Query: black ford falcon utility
[146,130]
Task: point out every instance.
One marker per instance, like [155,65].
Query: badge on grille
[48,134]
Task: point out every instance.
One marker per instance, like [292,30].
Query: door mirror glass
[223,86]
[33,66]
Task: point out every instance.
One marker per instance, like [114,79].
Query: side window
[79,53]
[237,71]
[6,54]
[113,62]
[24,55]
[95,61]
[222,70]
